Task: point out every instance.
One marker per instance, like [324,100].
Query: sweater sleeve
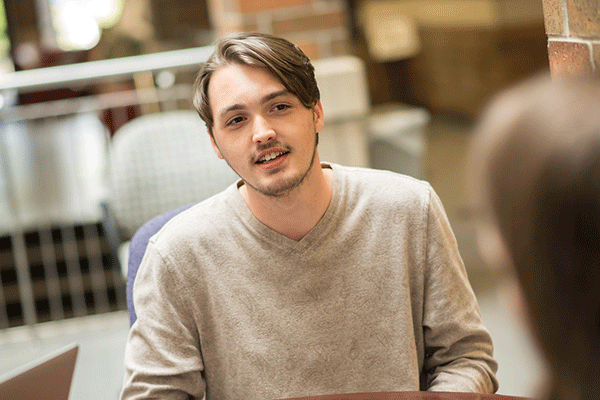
[162,355]
[458,348]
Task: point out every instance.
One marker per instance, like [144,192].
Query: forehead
[240,83]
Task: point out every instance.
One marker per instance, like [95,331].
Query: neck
[296,213]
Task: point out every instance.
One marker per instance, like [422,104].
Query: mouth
[270,156]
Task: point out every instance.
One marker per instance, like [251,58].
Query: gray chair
[160,162]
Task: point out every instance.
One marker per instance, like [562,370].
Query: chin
[281,187]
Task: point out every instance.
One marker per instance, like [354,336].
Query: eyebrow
[265,99]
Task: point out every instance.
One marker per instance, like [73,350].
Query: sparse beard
[286,187]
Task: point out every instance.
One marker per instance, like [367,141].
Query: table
[411,396]
[101,338]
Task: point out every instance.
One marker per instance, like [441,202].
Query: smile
[271,156]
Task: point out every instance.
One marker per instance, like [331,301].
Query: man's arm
[162,355]
[458,348]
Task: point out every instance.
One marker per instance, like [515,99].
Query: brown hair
[282,58]
[537,152]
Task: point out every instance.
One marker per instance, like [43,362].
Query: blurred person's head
[537,157]
[283,59]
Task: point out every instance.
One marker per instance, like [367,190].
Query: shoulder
[383,187]
[200,223]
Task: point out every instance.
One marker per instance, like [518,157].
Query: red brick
[553,17]
[584,18]
[261,5]
[569,59]
[596,58]
[309,23]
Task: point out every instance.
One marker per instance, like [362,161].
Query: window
[77,24]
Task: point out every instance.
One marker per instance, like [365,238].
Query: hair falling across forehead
[282,58]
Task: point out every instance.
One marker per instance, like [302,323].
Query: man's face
[263,131]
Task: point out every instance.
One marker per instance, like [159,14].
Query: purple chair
[137,248]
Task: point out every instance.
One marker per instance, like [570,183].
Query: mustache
[271,145]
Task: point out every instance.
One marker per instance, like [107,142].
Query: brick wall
[573,29]
[318,27]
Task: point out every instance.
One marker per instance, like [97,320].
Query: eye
[281,107]
[235,121]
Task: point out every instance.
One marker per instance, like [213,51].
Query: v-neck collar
[282,241]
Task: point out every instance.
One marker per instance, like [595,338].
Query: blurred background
[402,83]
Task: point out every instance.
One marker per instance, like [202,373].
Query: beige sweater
[373,298]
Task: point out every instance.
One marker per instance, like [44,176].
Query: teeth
[271,156]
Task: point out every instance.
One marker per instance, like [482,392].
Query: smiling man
[303,278]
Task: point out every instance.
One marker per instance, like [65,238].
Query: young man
[304,278]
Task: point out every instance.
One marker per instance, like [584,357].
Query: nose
[263,131]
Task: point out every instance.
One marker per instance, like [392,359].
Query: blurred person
[536,158]
[303,278]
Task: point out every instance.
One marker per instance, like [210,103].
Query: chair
[137,248]
[160,162]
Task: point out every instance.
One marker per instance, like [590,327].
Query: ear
[318,116]
[214,144]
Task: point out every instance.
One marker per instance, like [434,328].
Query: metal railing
[53,269]
[94,72]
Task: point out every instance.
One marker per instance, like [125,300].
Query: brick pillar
[318,27]
[573,29]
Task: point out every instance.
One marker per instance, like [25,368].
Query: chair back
[158,165]
[159,162]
